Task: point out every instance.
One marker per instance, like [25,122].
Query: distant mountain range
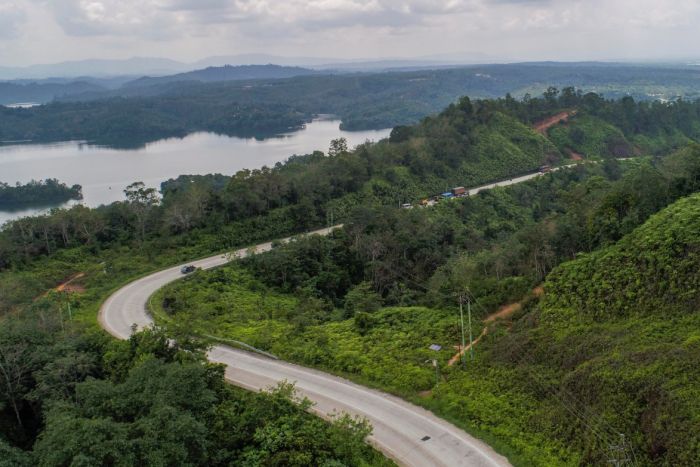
[660,81]
[226,73]
[46,90]
[148,66]
[11,93]
[138,66]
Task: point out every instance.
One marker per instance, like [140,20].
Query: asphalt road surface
[410,435]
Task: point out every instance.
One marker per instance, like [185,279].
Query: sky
[49,31]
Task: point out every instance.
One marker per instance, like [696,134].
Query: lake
[104,172]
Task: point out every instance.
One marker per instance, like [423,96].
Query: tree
[185,209]
[362,297]
[550,96]
[338,147]
[141,201]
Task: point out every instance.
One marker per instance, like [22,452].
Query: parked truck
[459,191]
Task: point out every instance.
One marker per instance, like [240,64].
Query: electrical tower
[619,456]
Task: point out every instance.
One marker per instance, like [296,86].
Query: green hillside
[653,271]
[591,137]
[554,381]
[620,328]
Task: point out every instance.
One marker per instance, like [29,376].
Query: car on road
[188,269]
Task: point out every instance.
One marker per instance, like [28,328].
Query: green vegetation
[552,384]
[162,107]
[37,193]
[623,324]
[131,123]
[654,269]
[74,397]
[592,138]
[369,300]
[301,194]
[468,144]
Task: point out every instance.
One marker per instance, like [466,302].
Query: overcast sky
[47,31]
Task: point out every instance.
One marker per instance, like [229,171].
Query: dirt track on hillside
[544,125]
[505,312]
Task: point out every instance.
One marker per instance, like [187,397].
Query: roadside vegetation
[369,300]
[77,397]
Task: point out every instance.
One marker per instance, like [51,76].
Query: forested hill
[225,73]
[469,143]
[361,101]
[623,324]
[655,271]
[552,382]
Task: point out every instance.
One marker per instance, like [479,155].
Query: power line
[591,420]
[606,434]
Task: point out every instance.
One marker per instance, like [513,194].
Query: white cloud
[12,17]
[507,29]
[104,17]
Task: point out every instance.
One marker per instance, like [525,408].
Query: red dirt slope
[544,125]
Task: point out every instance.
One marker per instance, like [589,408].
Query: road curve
[409,434]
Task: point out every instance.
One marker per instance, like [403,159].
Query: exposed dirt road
[543,126]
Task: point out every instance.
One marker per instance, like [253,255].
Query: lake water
[105,172]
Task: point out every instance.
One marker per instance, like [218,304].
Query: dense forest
[469,143]
[133,115]
[37,193]
[132,122]
[367,301]
[71,396]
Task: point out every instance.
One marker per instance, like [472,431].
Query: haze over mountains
[226,73]
[89,88]
[154,66]
[142,77]
[43,83]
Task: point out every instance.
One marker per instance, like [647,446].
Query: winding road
[408,434]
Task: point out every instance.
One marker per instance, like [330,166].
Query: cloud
[164,19]
[12,18]
[110,17]
[190,29]
[153,18]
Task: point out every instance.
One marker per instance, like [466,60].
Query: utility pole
[471,342]
[461,319]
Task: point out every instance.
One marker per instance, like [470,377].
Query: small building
[459,191]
